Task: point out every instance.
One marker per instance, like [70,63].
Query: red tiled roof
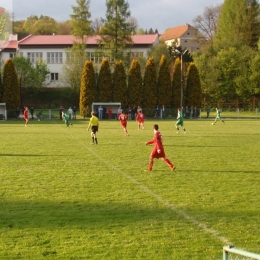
[12,45]
[8,45]
[176,32]
[1,10]
[144,38]
[69,39]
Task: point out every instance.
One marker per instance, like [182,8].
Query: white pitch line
[204,227]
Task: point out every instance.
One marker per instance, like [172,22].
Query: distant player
[140,120]
[123,120]
[158,150]
[94,124]
[26,116]
[180,122]
[65,117]
[218,116]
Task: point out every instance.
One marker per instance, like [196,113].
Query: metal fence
[170,113]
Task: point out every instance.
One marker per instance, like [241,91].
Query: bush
[49,98]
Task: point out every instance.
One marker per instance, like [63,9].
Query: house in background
[52,49]
[8,49]
[185,36]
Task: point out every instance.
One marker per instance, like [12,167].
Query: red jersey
[158,146]
[25,114]
[123,119]
[140,117]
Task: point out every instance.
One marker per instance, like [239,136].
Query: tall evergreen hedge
[88,90]
[11,95]
[150,93]
[120,84]
[135,84]
[164,84]
[104,82]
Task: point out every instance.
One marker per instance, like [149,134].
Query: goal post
[3,112]
[109,109]
[229,252]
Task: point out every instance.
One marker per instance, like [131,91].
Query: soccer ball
[39,120]
[212,123]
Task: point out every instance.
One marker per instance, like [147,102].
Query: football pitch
[62,198]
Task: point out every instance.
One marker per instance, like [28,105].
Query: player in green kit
[65,117]
[218,116]
[180,122]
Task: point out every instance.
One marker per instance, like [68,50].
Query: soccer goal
[3,115]
[230,252]
[109,109]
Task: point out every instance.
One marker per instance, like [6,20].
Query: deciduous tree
[238,24]
[40,71]
[207,23]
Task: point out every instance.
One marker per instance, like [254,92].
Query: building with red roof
[52,49]
[185,36]
[8,49]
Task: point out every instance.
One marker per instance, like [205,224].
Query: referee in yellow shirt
[93,123]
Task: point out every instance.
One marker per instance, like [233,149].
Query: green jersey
[218,114]
[179,119]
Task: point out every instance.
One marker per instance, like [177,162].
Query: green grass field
[62,198]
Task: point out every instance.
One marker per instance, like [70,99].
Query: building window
[12,55]
[54,57]
[96,57]
[54,76]
[137,54]
[33,56]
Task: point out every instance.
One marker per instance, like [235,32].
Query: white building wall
[7,55]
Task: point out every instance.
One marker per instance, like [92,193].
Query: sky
[155,14]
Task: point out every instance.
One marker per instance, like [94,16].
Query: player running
[180,122]
[123,119]
[140,120]
[65,117]
[218,116]
[158,150]
[26,116]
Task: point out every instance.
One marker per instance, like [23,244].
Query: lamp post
[181,53]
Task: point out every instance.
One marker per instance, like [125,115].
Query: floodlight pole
[181,84]
[181,54]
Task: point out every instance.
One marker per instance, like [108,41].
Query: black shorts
[94,128]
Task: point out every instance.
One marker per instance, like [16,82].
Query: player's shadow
[218,171]
[27,155]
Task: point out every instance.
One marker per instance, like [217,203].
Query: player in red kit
[25,116]
[123,119]
[158,150]
[140,120]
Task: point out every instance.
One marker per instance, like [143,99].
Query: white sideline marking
[212,232]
